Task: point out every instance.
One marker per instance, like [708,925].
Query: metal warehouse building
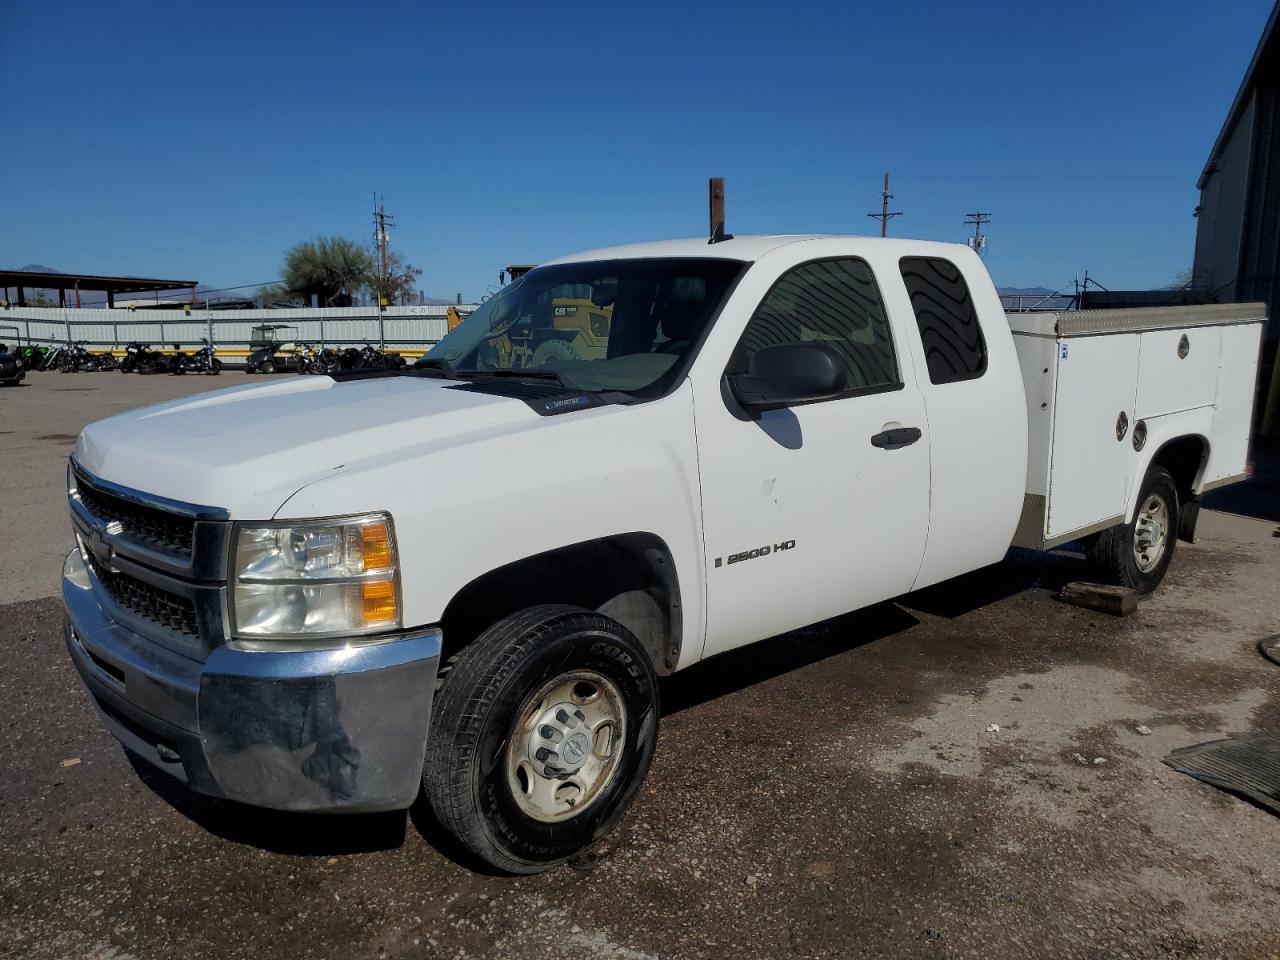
[1238,237]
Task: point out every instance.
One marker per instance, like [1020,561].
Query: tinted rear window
[954,348]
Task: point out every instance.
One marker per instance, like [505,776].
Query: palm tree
[331,268]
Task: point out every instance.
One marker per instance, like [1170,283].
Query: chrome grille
[149,602]
[166,532]
[159,564]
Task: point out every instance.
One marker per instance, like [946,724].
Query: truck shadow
[763,661]
[304,834]
[738,669]
[1020,570]
[277,831]
[1258,496]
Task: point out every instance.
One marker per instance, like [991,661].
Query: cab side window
[954,348]
[835,302]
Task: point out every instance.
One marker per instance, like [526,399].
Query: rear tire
[494,784]
[1137,554]
[267,366]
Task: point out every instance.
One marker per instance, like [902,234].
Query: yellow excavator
[573,328]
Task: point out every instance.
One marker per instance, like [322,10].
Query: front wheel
[1137,554]
[541,735]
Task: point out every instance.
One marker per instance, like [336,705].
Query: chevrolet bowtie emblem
[101,549]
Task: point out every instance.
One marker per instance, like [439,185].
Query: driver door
[807,515]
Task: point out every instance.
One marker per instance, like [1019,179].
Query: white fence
[411,328]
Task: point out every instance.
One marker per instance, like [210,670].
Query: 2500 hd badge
[757,552]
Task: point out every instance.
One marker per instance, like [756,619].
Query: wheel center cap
[575,748]
[560,742]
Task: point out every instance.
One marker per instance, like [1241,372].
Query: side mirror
[789,374]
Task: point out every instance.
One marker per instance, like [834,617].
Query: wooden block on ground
[1117,601]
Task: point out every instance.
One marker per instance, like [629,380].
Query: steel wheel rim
[1151,533]
[552,779]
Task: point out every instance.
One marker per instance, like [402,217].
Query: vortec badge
[757,552]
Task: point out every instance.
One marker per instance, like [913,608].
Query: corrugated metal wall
[405,327]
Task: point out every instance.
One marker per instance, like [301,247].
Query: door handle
[895,438]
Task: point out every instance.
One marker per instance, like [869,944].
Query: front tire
[1137,554]
[541,735]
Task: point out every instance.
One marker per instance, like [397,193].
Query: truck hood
[248,449]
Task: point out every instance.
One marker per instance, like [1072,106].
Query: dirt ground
[830,793]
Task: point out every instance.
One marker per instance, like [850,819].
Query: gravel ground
[831,793]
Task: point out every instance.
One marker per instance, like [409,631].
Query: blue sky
[202,140]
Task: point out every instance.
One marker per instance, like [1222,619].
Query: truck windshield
[607,325]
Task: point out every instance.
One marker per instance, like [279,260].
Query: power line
[884,216]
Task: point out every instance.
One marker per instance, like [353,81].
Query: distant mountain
[38,268]
[1023,291]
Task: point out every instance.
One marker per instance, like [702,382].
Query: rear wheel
[267,366]
[540,736]
[1137,554]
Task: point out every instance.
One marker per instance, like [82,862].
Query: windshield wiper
[435,367]
[525,373]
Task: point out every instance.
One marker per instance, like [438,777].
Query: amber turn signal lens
[379,601]
[375,542]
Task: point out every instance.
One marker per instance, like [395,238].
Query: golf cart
[273,347]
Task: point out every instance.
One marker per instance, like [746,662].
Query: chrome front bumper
[340,729]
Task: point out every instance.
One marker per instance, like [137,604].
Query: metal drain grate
[1249,766]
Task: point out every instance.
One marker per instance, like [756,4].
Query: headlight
[328,578]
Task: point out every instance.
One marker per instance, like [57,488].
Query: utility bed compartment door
[1088,464]
[1177,370]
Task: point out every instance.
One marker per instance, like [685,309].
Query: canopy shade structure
[79,283]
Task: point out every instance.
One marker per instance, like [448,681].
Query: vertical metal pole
[208,320]
[715,205]
[66,317]
[322,331]
[884,208]
[382,339]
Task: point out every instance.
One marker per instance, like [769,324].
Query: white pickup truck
[464,578]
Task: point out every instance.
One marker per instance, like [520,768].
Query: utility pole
[977,221]
[381,223]
[884,216]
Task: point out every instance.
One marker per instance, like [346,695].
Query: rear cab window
[954,347]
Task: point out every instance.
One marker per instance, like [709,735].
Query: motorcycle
[52,358]
[76,359]
[202,361]
[138,358]
[370,357]
[312,359]
[174,362]
[33,357]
